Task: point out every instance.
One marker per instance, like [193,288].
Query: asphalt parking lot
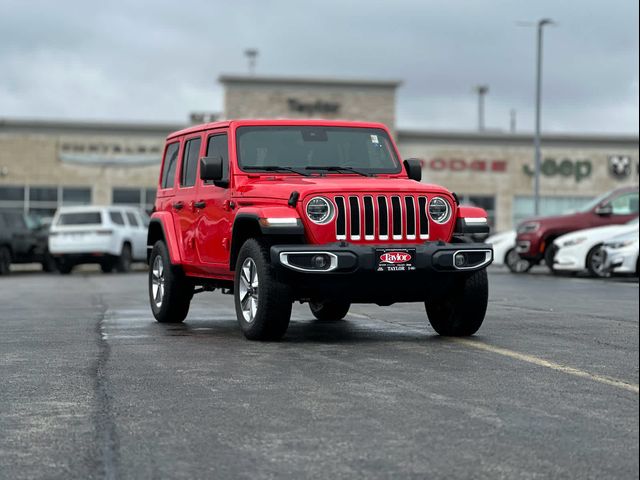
[92,387]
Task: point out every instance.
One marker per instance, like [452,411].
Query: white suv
[110,236]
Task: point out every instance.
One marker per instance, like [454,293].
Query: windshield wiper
[340,169]
[275,168]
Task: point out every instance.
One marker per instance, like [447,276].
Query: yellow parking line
[632,387]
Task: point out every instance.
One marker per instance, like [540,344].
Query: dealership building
[45,164]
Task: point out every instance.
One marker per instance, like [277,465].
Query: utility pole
[251,54]
[512,120]
[481,90]
[536,138]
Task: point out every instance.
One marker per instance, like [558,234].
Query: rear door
[216,215]
[184,212]
[138,234]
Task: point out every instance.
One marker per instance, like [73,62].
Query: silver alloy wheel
[517,263]
[597,263]
[157,280]
[249,289]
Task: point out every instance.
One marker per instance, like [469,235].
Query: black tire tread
[274,303]
[329,310]
[462,312]
[178,290]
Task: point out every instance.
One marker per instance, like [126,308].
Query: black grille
[381,217]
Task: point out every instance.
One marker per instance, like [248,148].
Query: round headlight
[439,210]
[320,210]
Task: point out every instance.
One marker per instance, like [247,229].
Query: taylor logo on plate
[395,257]
[619,166]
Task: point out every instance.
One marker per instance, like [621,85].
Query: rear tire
[64,267]
[170,292]
[123,264]
[5,260]
[461,312]
[595,262]
[263,304]
[48,263]
[515,263]
[106,267]
[549,257]
[329,310]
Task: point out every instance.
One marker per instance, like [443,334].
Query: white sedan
[621,253]
[504,252]
[581,250]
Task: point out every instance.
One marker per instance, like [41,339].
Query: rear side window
[218,147]
[190,162]
[80,218]
[169,165]
[116,217]
[133,221]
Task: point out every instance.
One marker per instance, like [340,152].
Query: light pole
[481,90]
[536,138]
[251,54]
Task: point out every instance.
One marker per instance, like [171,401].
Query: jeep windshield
[327,150]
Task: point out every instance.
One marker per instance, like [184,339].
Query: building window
[143,198]
[76,196]
[524,206]
[42,201]
[482,201]
[11,194]
[127,196]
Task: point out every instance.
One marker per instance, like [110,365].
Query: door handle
[178,205]
[200,204]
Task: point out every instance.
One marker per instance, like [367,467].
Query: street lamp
[481,90]
[251,54]
[536,137]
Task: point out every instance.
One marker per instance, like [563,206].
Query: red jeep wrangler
[324,212]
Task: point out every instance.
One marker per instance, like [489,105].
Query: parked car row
[112,237]
[601,238]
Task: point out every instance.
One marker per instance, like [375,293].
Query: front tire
[595,262]
[461,312]
[329,310]
[515,263]
[549,257]
[170,292]
[5,260]
[263,304]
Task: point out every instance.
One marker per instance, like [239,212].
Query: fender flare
[251,221]
[471,221]
[164,221]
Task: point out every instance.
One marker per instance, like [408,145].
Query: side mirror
[211,170]
[604,210]
[413,167]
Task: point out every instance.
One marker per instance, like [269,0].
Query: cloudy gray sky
[153,60]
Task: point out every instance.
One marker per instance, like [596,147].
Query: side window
[190,163]
[218,147]
[626,204]
[116,217]
[133,221]
[169,165]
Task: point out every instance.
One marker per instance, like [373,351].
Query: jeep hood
[281,187]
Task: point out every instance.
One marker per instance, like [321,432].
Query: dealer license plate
[395,259]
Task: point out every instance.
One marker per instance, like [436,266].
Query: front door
[184,211]
[216,217]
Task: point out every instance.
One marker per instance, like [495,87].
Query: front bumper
[530,247]
[621,260]
[352,272]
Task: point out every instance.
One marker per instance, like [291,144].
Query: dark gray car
[21,244]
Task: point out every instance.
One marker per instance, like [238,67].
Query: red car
[534,241]
[322,212]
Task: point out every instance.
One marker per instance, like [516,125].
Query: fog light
[320,262]
[460,260]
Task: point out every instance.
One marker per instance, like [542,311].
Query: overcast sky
[152,60]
